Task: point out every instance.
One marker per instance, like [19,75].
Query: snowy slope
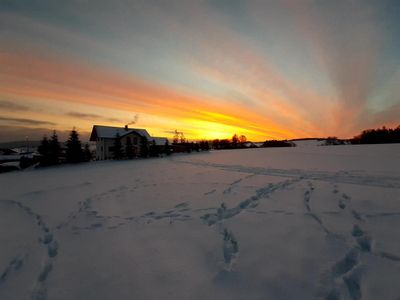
[271,223]
[309,143]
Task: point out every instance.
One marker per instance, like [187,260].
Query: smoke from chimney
[135,120]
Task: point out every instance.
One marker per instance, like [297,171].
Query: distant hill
[17,144]
[307,139]
[309,142]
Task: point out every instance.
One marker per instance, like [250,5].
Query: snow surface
[309,143]
[271,223]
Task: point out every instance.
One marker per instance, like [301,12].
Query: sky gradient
[266,69]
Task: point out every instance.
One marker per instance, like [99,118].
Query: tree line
[52,153]
[236,142]
[180,144]
[378,136]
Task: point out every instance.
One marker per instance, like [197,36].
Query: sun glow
[200,129]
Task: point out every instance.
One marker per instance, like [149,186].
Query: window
[135,140]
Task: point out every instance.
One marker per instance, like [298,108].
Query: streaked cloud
[67,81]
[11,106]
[89,116]
[25,121]
[267,69]
[21,133]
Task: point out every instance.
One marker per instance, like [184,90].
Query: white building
[105,136]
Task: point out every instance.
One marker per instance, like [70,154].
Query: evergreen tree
[117,149]
[50,150]
[128,148]
[44,150]
[54,149]
[153,150]
[87,153]
[167,149]
[74,148]
[144,147]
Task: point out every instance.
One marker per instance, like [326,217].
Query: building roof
[159,141]
[109,132]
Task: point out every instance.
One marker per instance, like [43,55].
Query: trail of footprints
[307,204]
[349,268]
[232,185]
[307,195]
[180,212]
[223,212]
[85,208]
[48,241]
[346,271]
[230,245]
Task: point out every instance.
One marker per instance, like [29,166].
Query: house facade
[104,137]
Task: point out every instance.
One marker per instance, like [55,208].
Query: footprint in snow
[230,249]
[52,249]
[347,263]
[182,205]
[14,265]
[352,282]
[357,231]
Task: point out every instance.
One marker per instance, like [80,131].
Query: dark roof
[158,141]
[99,131]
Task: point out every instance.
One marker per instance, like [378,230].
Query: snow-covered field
[283,223]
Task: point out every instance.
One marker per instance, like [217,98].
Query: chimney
[126,127]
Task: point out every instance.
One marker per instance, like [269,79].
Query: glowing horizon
[277,70]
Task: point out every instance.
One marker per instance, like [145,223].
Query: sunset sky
[266,69]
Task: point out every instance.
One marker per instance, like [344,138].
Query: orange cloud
[347,52]
[54,79]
